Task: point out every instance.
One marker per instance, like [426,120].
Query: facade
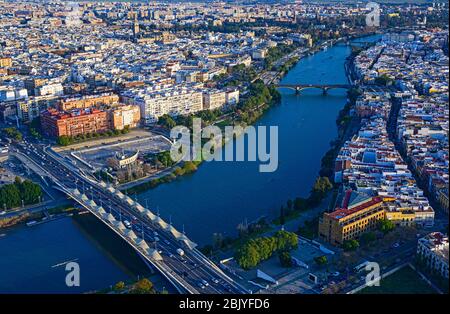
[443,199]
[232,96]
[260,54]
[433,250]
[156,102]
[11,94]
[29,109]
[5,62]
[358,214]
[54,89]
[88,101]
[121,160]
[125,116]
[213,99]
[78,122]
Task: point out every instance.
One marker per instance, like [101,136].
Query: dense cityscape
[98,97]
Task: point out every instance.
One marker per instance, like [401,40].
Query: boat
[31,223]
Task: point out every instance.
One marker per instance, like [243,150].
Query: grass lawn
[403,281]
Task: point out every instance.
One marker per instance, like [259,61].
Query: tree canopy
[257,250]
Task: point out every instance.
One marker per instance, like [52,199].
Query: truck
[180,252]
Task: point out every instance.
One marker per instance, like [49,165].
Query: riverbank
[222,196]
[32,218]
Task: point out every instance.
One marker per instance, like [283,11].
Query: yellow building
[89,101]
[353,219]
[125,116]
[5,62]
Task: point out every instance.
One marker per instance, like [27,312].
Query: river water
[215,199]
[220,195]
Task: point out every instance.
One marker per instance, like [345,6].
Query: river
[215,199]
[220,195]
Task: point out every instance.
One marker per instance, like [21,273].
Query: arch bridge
[324,87]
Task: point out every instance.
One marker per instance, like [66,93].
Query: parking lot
[97,156]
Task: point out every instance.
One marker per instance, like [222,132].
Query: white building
[433,249]
[232,96]
[156,101]
[213,99]
[50,90]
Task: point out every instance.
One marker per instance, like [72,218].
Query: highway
[192,268]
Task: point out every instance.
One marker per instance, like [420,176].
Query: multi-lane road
[188,266]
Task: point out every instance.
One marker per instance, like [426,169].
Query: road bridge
[168,250]
[324,87]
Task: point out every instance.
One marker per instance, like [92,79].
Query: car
[167,242]
[201,285]
[395,245]
[205,283]
[215,280]
[335,274]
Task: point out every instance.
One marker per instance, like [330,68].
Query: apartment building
[232,96]
[56,123]
[213,99]
[155,102]
[83,102]
[357,214]
[5,62]
[433,250]
[29,109]
[125,116]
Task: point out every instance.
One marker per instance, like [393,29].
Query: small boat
[31,223]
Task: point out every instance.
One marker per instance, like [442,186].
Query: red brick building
[83,121]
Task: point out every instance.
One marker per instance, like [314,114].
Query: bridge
[158,242]
[324,87]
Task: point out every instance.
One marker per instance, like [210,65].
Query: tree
[386,226]
[247,257]
[189,167]
[285,258]
[143,286]
[11,195]
[13,133]
[321,260]
[256,250]
[350,245]
[367,238]
[119,286]
[64,140]
[300,203]
[167,121]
